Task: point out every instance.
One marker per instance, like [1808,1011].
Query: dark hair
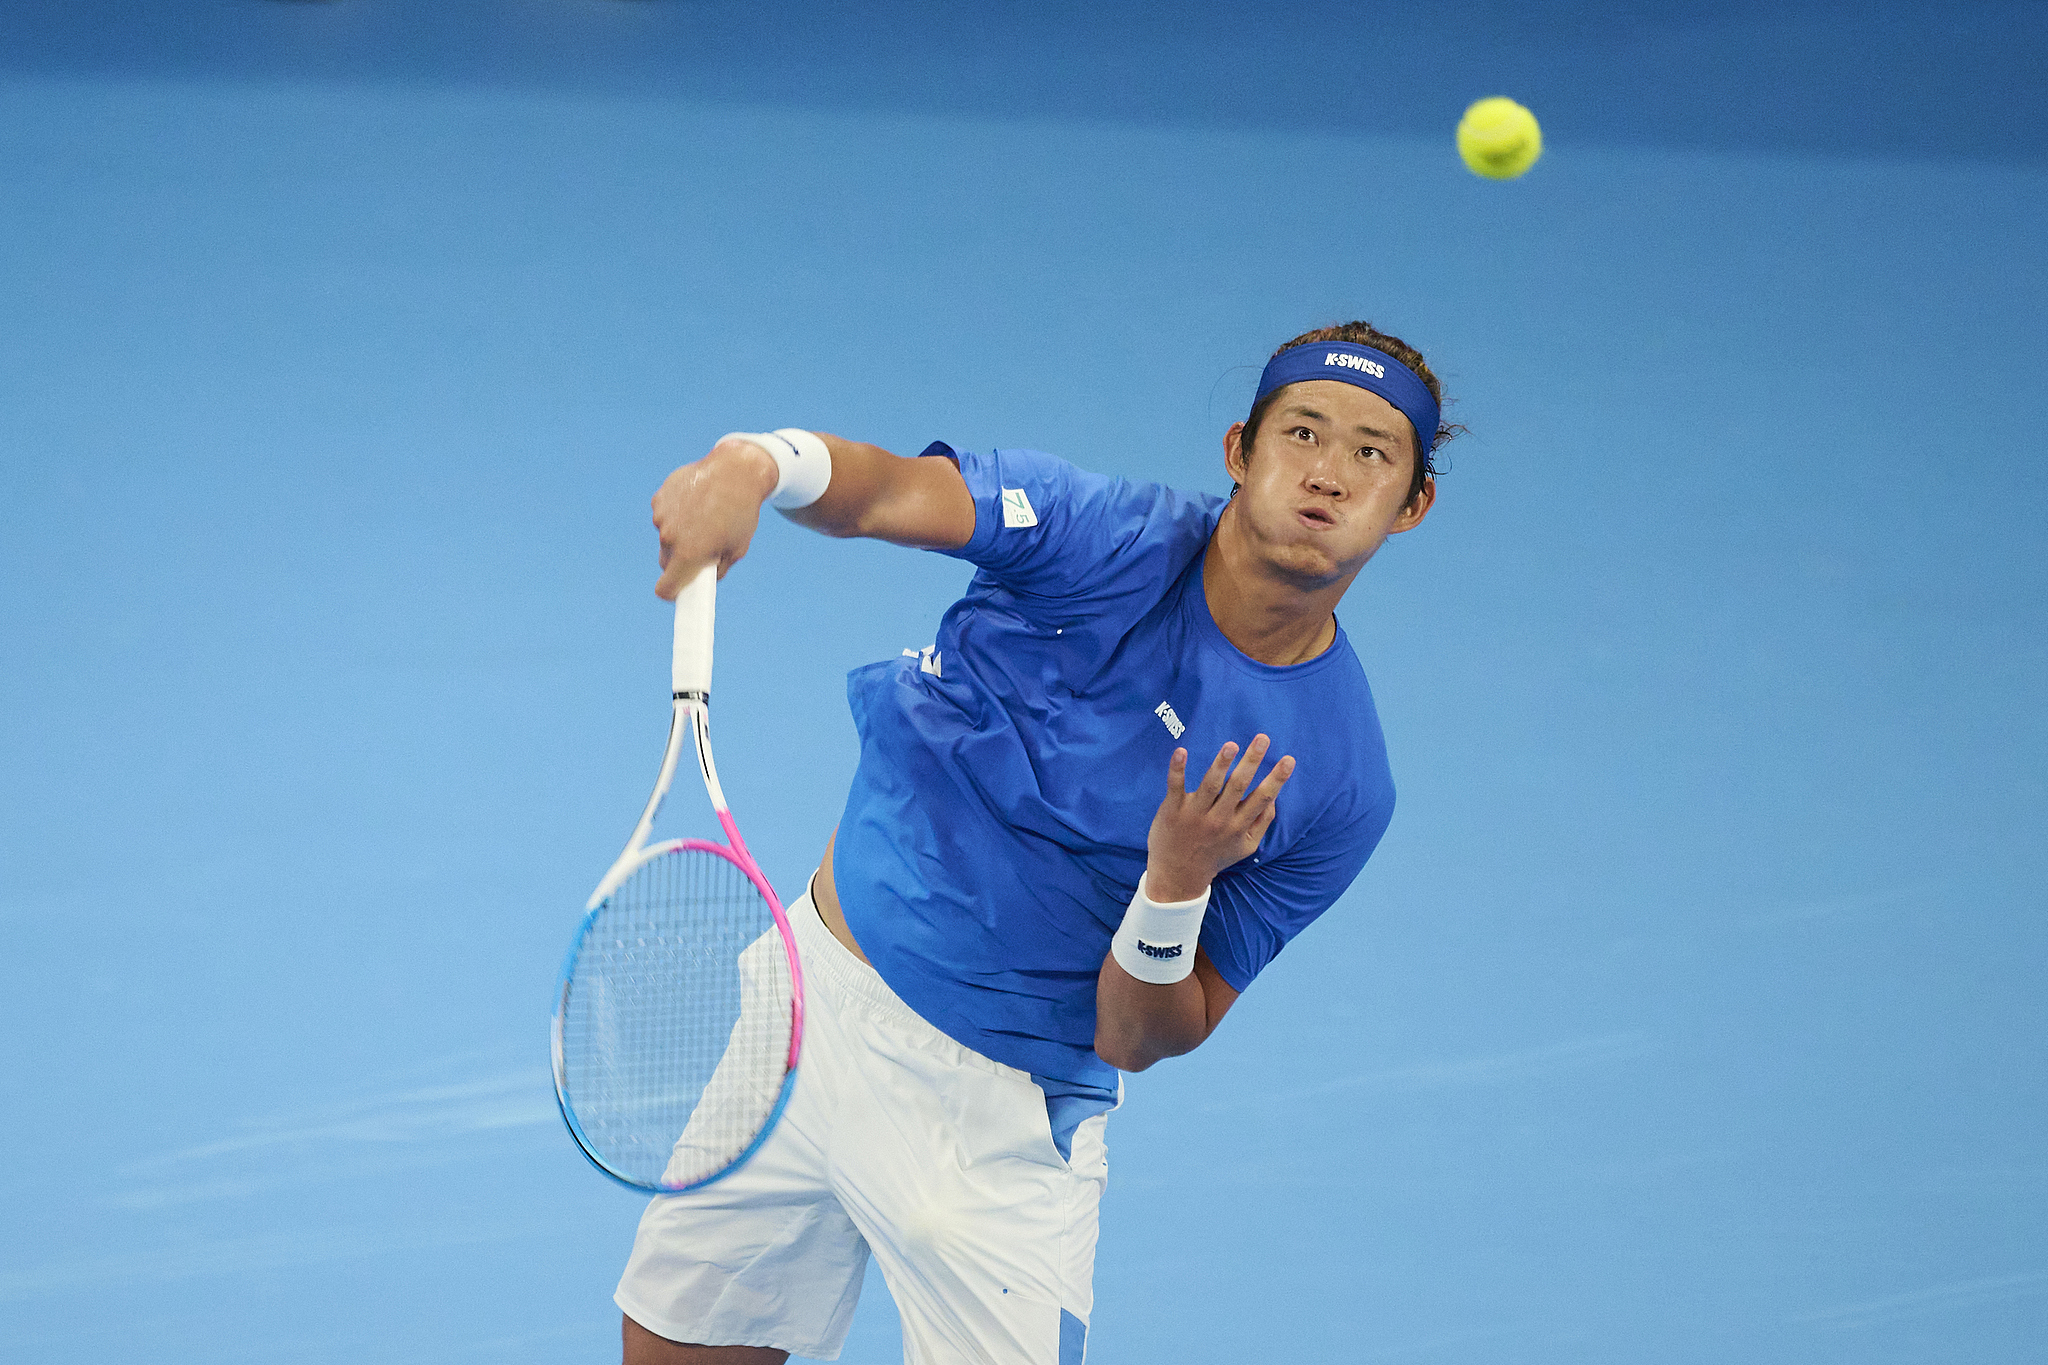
[1365,334]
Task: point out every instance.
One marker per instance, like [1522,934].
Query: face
[1327,481]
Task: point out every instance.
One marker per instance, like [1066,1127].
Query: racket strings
[676,1021]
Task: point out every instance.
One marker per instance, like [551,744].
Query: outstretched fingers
[1230,774]
[1218,774]
[1255,813]
[1177,774]
[1247,767]
[1268,791]
[1200,831]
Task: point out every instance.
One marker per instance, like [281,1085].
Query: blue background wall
[1692,1009]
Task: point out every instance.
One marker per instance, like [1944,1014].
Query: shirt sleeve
[1045,527]
[1255,911]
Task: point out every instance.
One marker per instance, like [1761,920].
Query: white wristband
[1156,943]
[803,464]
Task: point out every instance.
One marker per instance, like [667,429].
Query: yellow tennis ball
[1499,139]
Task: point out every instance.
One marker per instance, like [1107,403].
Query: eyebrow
[1297,410]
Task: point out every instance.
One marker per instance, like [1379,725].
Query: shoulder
[1351,781]
[1063,485]
[1032,508]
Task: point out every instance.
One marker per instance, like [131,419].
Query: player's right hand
[706,512]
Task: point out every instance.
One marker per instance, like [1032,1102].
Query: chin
[1311,564]
[1307,567]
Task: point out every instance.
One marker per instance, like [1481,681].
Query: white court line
[1958,1295]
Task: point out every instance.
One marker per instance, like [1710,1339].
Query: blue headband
[1351,363]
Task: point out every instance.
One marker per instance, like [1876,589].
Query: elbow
[1138,1025]
[1122,1055]
[1128,1053]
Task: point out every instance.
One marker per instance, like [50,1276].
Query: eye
[1301,433]
[1371,453]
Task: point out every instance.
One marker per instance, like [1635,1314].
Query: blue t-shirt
[1008,776]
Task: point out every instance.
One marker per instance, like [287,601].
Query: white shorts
[900,1141]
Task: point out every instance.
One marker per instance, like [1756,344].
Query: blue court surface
[1693,1009]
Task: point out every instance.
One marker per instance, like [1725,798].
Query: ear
[1234,452]
[1417,508]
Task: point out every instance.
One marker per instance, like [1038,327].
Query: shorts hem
[673,1331]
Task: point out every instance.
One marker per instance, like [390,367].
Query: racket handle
[696,605]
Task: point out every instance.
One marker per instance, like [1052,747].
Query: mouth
[1317,517]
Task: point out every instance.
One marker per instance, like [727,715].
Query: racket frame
[691,686]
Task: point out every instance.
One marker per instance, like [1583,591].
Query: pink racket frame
[691,687]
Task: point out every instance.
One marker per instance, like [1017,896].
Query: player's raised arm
[707,511]
[920,502]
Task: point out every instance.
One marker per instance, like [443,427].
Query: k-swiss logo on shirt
[1172,722]
[927,660]
[1017,509]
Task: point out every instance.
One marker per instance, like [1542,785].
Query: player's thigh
[643,1347]
[744,1262]
[765,1257]
[984,1231]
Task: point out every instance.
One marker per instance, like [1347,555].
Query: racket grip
[696,605]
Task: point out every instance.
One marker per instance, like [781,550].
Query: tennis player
[1140,758]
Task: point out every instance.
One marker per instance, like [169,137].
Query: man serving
[1010,912]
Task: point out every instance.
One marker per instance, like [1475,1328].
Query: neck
[1266,615]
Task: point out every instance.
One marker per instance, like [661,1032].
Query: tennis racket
[681,1008]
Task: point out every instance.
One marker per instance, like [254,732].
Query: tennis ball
[1499,139]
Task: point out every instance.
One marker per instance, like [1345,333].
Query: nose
[1326,485]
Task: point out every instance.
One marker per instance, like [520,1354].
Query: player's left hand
[1198,833]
